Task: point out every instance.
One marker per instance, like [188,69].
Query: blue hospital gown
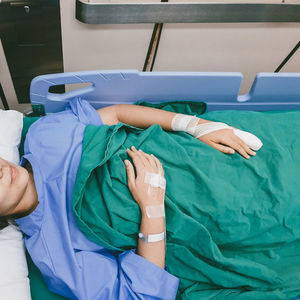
[71,264]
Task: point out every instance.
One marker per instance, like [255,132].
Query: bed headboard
[220,90]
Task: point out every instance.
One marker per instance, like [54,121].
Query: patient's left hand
[227,142]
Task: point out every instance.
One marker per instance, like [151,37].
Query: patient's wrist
[152,226]
[151,243]
[189,124]
[195,126]
[153,210]
[203,121]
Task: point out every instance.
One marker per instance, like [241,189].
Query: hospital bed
[220,91]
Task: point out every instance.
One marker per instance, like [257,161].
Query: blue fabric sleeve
[141,277]
[104,276]
[85,113]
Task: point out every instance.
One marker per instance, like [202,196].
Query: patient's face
[13,184]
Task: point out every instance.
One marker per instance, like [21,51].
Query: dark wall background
[31,36]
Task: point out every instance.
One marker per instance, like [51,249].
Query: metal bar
[94,13]
[3,98]
[284,62]
[153,46]
[160,27]
[149,56]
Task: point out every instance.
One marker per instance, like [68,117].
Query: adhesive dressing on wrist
[155,180]
[155,211]
[153,238]
[189,124]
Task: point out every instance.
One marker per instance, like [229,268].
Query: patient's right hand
[142,192]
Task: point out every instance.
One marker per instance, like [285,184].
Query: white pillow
[14,281]
[11,125]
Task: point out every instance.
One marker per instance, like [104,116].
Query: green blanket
[233,225]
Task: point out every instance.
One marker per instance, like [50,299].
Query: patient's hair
[10,219]
[4,221]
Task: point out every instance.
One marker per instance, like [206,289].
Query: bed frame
[270,91]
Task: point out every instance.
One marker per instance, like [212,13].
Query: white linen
[11,124]
[14,281]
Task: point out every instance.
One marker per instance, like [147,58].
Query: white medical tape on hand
[155,211]
[180,122]
[209,127]
[250,139]
[189,124]
[155,180]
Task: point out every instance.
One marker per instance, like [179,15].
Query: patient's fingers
[158,165]
[245,146]
[130,174]
[140,155]
[235,143]
[137,161]
[236,146]
[150,160]
[221,148]
[144,162]
[155,164]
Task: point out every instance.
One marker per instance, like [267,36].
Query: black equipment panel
[30,32]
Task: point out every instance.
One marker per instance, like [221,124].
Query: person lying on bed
[38,196]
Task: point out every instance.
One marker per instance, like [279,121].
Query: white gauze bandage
[189,124]
[155,180]
[155,211]
[158,181]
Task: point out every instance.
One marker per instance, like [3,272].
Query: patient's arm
[223,140]
[147,196]
[138,116]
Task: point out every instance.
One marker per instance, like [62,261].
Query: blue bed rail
[220,90]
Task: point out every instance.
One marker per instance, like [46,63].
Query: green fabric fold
[233,224]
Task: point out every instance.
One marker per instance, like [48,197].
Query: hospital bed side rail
[219,90]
